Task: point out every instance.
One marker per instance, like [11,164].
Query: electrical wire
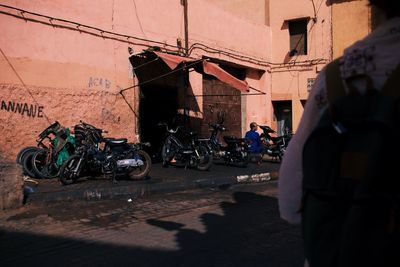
[245,58]
[116,36]
[176,70]
[138,19]
[81,27]
[23,83]
[161,76]
[128,38]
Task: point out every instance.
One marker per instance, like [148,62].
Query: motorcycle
[40,161]
[235,150]
[274,147]
[60,145]
[108,156]
[192,155]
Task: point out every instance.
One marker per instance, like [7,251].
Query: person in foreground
[335,178]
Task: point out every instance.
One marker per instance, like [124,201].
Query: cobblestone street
[237,226]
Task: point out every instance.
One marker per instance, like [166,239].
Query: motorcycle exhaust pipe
[130,163]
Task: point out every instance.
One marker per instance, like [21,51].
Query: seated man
[253,137]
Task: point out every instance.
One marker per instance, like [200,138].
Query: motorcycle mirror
[146,144]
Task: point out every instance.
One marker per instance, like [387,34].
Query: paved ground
[161,180]
[238,226]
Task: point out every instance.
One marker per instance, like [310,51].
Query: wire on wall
[82,28]
[23,83]
[68,24]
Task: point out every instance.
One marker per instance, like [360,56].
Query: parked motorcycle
[108,156]
[274,147]
[46,162]
[38,162]
[235,150]
[192,155]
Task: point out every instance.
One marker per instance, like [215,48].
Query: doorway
[157,104]
[283,114]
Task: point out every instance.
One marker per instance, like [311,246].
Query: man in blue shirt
[253,137]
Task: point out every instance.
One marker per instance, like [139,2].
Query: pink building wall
[71,73]
[289,80]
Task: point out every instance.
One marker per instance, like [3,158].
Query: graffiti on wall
[96,82]
[24,109]
[107,115]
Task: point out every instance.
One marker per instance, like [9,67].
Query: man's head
[253,126]
[388,7]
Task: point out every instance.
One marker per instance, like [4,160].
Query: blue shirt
[254,141]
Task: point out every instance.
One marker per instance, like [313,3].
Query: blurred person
[366,64]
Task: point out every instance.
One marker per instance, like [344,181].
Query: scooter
[192,154]
[274,147]
[235,150]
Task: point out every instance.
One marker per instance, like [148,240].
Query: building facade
[70,61]
[76,60]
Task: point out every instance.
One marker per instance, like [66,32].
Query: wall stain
[107,115]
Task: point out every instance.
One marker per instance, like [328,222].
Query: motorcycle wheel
[67,176]
[42,167]
[23,151]
[165,154]
[141,172]
[27,164]
[205,159]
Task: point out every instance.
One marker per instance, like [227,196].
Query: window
[298,37]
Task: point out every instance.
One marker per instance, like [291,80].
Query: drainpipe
[185,19]
[184,3]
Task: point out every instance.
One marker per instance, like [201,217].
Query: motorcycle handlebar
[93,127]
[168,129]
[267,129]
[218,127]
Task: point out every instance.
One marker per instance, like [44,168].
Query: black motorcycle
[274,147]
[234,152]
[108,156]
[192,155]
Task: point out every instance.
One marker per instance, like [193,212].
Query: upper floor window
[298,37]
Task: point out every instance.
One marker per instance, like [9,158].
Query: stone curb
[142,190]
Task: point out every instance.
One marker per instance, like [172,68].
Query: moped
[234,152]
[192,154]
[274,147]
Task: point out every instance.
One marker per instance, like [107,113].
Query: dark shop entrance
[158,98]
[166,95]
[157,104]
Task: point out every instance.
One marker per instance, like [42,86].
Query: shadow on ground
[250,233]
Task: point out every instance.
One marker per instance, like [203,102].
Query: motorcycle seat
[116,141]
[276,139]
[232,139]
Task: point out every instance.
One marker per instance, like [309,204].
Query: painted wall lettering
[24,109]
[99,82]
